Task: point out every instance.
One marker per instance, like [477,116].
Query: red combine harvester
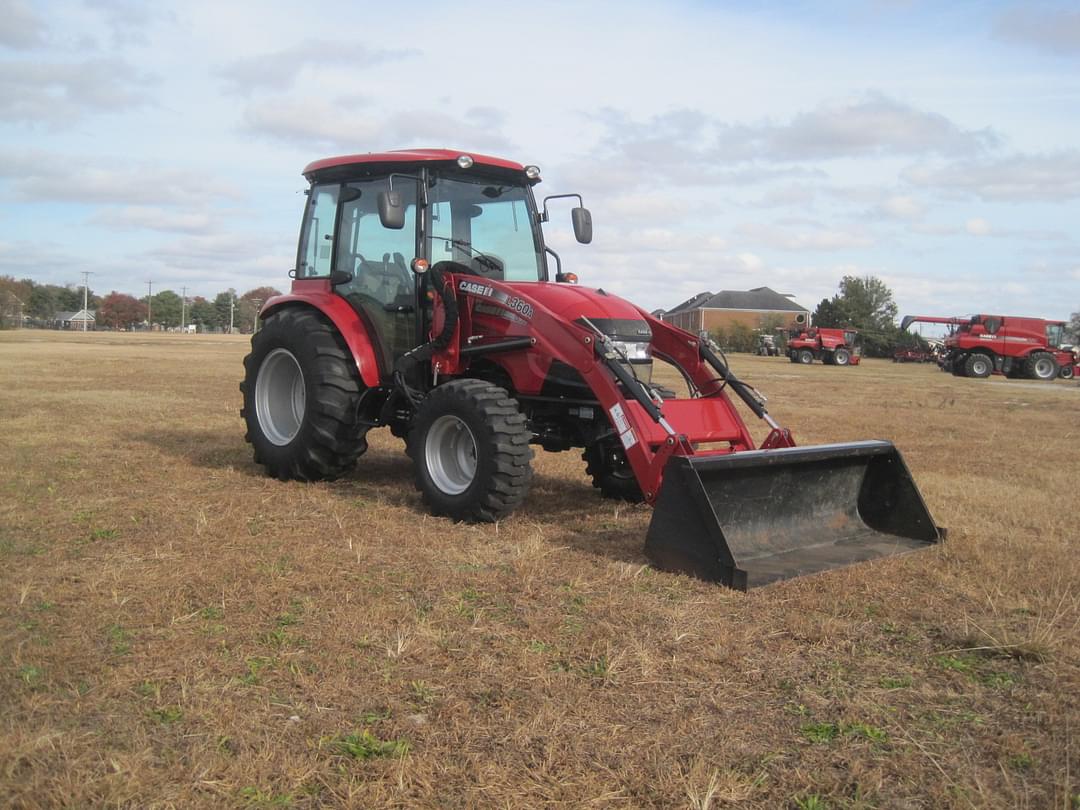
[422,300]
[981,345]
[834,347]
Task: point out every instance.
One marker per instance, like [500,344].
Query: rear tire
[469,444]
[1067,372]
[806,357]
[979,365]
[1041,366]
[301,389]
[841,357]
[606,464]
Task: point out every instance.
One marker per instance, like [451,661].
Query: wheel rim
[280,397]
[450,452]
[1044,368]
[840,358]
[980,368]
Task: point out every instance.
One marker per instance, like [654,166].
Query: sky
[718,146]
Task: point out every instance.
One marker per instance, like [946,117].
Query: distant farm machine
[981,345]
[423,300]
[834,347]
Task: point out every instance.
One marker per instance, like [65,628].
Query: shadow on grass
[571,512]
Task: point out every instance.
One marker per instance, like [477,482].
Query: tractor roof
[408,156]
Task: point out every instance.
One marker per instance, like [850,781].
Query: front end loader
[422,301]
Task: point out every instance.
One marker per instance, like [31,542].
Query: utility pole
[257,302]
[183,309]
[232,306]
[149,306]
[85,292]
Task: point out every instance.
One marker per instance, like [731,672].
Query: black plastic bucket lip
[792,455]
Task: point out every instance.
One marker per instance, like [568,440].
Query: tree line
[116,310]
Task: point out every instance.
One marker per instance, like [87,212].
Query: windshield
[1054,334]
[485,224]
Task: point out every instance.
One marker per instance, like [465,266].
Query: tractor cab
[368,217]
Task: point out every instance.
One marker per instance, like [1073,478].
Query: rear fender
[348,323]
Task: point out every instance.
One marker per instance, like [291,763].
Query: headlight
[634,351]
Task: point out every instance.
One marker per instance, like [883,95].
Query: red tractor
[834,347]
[423,301]
[1003,344]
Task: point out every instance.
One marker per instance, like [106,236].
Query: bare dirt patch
[178,630]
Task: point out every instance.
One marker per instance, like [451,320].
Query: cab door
[383,287]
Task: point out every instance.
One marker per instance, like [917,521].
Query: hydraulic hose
[405,366]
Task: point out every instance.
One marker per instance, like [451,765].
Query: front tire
[606,464]
[806,357]
[979,365]
[469,444]
[1041,366]
[301,388]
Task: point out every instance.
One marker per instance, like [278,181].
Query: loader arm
[649,432]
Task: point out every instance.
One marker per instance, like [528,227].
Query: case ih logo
[523,308]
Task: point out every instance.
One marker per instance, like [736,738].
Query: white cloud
[1049,177]
[22,29]
[1048,29]
[279,70]
[145,217]
[814,237]
[44,177]
[330,124]
[60,93]
[901,206]
[978,227]
[870,125]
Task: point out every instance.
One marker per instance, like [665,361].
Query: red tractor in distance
[834,347]
[981,345]
[423,301]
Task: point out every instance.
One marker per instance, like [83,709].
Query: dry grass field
[179,631]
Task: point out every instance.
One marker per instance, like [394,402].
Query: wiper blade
[482,258]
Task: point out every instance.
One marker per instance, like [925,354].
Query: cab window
[317,232]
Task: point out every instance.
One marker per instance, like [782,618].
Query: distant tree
[43,304]
[738,337]
[223,303]
[120,311]
[1072,329]
[249,305]
[864,303]
[202,313]
[166,308]
[14,296]
[831,314]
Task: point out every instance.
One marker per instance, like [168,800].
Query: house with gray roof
[759,308]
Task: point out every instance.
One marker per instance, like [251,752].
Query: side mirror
[340,277]
[582,220]
[391,211]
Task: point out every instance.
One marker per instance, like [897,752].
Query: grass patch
[364,745]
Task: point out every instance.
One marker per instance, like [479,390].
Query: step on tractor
[423,300]
[833,347]
[981,345]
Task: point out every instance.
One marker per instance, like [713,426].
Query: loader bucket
[747,519]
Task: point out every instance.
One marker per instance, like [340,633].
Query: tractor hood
[614,316]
